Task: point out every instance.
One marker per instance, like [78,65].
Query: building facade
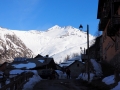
[109,24]
[76,68]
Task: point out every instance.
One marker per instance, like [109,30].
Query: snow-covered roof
[42,61]
[70,61]
[27,65]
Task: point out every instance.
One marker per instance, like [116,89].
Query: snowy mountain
[57,42]
[11,46]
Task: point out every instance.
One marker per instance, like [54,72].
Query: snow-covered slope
[57,42]
[11,46]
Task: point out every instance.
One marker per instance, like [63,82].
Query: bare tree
[75,54]
[60,62]
[66,58]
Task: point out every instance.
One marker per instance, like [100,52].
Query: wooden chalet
[109,16]
[109,24]
[76,67]
[43,62]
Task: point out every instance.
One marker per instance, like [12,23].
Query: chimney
[47,56]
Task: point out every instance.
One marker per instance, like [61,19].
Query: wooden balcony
[113,27]
[105,6]
[100,8]
[116,21]
[116,1]
[106,12]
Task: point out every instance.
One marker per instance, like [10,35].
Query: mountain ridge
[57,42]
[11,46]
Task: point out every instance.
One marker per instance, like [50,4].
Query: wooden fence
[16,83]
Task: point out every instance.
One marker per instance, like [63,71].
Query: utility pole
[88,57]
[88,61]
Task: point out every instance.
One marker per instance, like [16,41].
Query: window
[77,65]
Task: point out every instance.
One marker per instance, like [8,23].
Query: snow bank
[117,87]
[32,81]
[84,76]
[61,74]
[97,67]
[108,80]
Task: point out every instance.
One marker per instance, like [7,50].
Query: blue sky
[43,14]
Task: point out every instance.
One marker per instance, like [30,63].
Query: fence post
[12,81]
[3,82]
[16,82]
